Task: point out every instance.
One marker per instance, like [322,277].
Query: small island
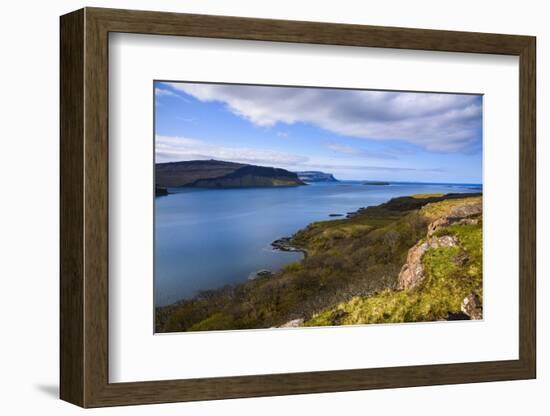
[220,174]
[376,183]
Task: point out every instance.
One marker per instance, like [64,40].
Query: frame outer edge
[295,31]
[72,343]
[528,209]
[84,238]
[96,208]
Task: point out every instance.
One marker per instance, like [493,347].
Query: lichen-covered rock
[444,241]
[461,214]
[295,323]
[437,224]
[412,272]
[465,211]
[472,306]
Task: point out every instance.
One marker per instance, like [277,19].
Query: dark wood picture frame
[84,207]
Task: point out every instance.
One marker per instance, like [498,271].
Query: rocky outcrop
[461,214]
[472,306]
[412,272]
[285,244]
[260,273]
[295,323]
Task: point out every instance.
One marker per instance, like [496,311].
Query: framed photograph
[255,207]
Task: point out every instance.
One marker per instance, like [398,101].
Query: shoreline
[285,244]
[401,204]
[361,269]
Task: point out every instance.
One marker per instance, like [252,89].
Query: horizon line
[322,171]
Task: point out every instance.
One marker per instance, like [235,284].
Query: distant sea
[208,238]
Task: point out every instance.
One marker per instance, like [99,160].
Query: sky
[353,134]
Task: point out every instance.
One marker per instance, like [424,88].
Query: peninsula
[221,174]
[316,176]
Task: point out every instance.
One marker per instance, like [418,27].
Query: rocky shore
[285,244]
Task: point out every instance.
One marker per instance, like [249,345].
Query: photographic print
[292,206]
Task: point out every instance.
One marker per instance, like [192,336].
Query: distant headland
[221,174]
[316,176]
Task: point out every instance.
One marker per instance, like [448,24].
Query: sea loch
[208,238]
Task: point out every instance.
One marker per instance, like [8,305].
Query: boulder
[461,214]
[466,210]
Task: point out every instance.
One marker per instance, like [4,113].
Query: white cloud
[172,149]
[437,122]
[160,92]
[175,149]
[163,92]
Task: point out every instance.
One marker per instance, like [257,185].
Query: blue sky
[364,135]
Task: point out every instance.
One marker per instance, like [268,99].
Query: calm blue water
[207,238]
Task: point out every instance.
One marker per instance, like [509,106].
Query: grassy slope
[348,261]
[451,273]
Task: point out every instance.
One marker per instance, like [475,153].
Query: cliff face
[316,176]
[220,174]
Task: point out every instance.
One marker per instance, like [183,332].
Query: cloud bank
[436,122]
[161,92]
[175,149]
